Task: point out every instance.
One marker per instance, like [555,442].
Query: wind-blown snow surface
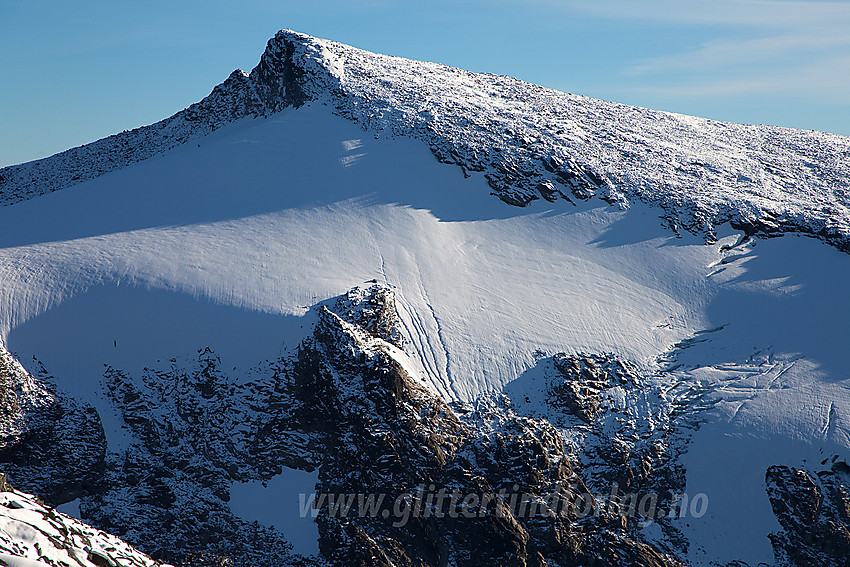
[239,222]
[229,241]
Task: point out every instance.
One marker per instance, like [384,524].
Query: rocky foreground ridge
[349,404]
[32,534]
[529,142]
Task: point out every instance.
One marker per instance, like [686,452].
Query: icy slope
[527,140]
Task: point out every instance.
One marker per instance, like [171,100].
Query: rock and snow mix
[207,276]
[35,535]
[528,141]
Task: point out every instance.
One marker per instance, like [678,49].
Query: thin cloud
[758,46]
[826,81]
[726,53]
[759,13]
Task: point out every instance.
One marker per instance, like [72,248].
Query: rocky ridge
[814,512]
[349,403]
[384,433]
[49,444]
[32,534]
[527,141]
[575,476]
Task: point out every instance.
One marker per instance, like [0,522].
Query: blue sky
[74,72]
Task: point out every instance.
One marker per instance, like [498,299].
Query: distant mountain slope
[528,141]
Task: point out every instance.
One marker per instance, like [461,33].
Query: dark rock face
[49,444]
[196,432]
[814,512]
[386,435]
[372,308]
[596,399]
[583,379]
[278,81]
[458,485]
[274,84]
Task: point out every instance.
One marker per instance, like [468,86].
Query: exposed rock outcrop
[196,432]
[814,512]
[49,443]
[581,381]
[32,533]
[387,436]
[455,484]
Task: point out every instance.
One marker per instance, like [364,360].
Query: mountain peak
[293,69]
[528,142]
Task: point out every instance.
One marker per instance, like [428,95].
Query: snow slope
[243,226]
[229,240]
[288,491]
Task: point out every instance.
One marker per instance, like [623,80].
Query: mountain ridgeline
[529,142]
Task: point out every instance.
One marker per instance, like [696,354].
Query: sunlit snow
[229,243]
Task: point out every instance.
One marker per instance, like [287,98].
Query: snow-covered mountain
[653,300]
